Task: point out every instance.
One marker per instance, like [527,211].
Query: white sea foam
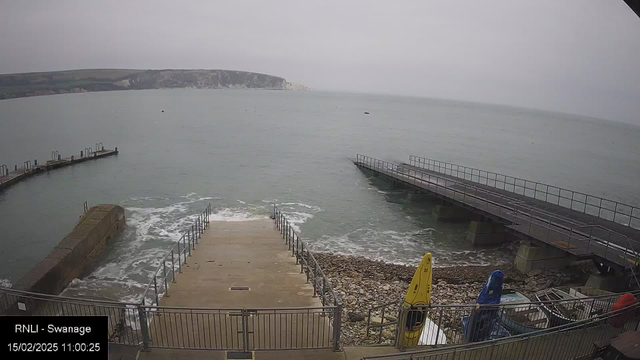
[298,213]
[236,214]
[405,248]
[132,260]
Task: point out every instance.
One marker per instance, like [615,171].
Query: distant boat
[521,319]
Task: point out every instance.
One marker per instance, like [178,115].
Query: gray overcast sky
[576,56]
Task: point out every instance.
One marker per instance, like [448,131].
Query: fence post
[144,328]
[402,319]
[189,240]
[324,284]
[155,287]
[245,330]
[302,260]
[173,267]
[337,326]
[164,273]
[184,247]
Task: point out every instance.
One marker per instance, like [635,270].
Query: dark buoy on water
[162,110]
[366,113]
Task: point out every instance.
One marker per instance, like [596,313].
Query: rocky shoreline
[362,283]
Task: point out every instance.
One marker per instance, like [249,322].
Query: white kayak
[431,333]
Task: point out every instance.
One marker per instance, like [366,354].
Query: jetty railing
[574,237]
[607,209]
[566,342]
[304,257]
[309,266]
[172,262]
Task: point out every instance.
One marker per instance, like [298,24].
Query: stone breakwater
[362,283]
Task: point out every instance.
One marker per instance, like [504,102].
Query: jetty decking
[10,176]
[612,240]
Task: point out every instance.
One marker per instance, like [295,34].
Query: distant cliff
[73,81]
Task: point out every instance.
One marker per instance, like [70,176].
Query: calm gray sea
[242,151]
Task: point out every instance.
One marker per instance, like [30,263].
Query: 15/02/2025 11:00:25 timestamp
[36,337]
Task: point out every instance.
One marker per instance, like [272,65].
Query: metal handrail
[469,195]
[239,308]
[181,250]
[383,307]
[40,296]
[516,338]
[635,293]
[460,171]
[306,260]
[309,266]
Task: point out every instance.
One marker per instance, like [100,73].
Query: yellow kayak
[419,293]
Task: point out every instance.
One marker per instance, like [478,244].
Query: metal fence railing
[124,320]
[565,342]
[607,209]
[457,324]
[304,257]
[172,262]
[310,267]
[243,329]
[191,328]
[573,237]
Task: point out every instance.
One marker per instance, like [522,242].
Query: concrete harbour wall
[72,255]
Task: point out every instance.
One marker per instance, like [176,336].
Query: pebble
[363,283]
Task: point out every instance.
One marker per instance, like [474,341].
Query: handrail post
[337,326]
[324,284]
[402,321]
[302,258]
[184,248]
[608,242]
[189,241]
[164,275]
[173,267]
[144,328]
[155,287]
